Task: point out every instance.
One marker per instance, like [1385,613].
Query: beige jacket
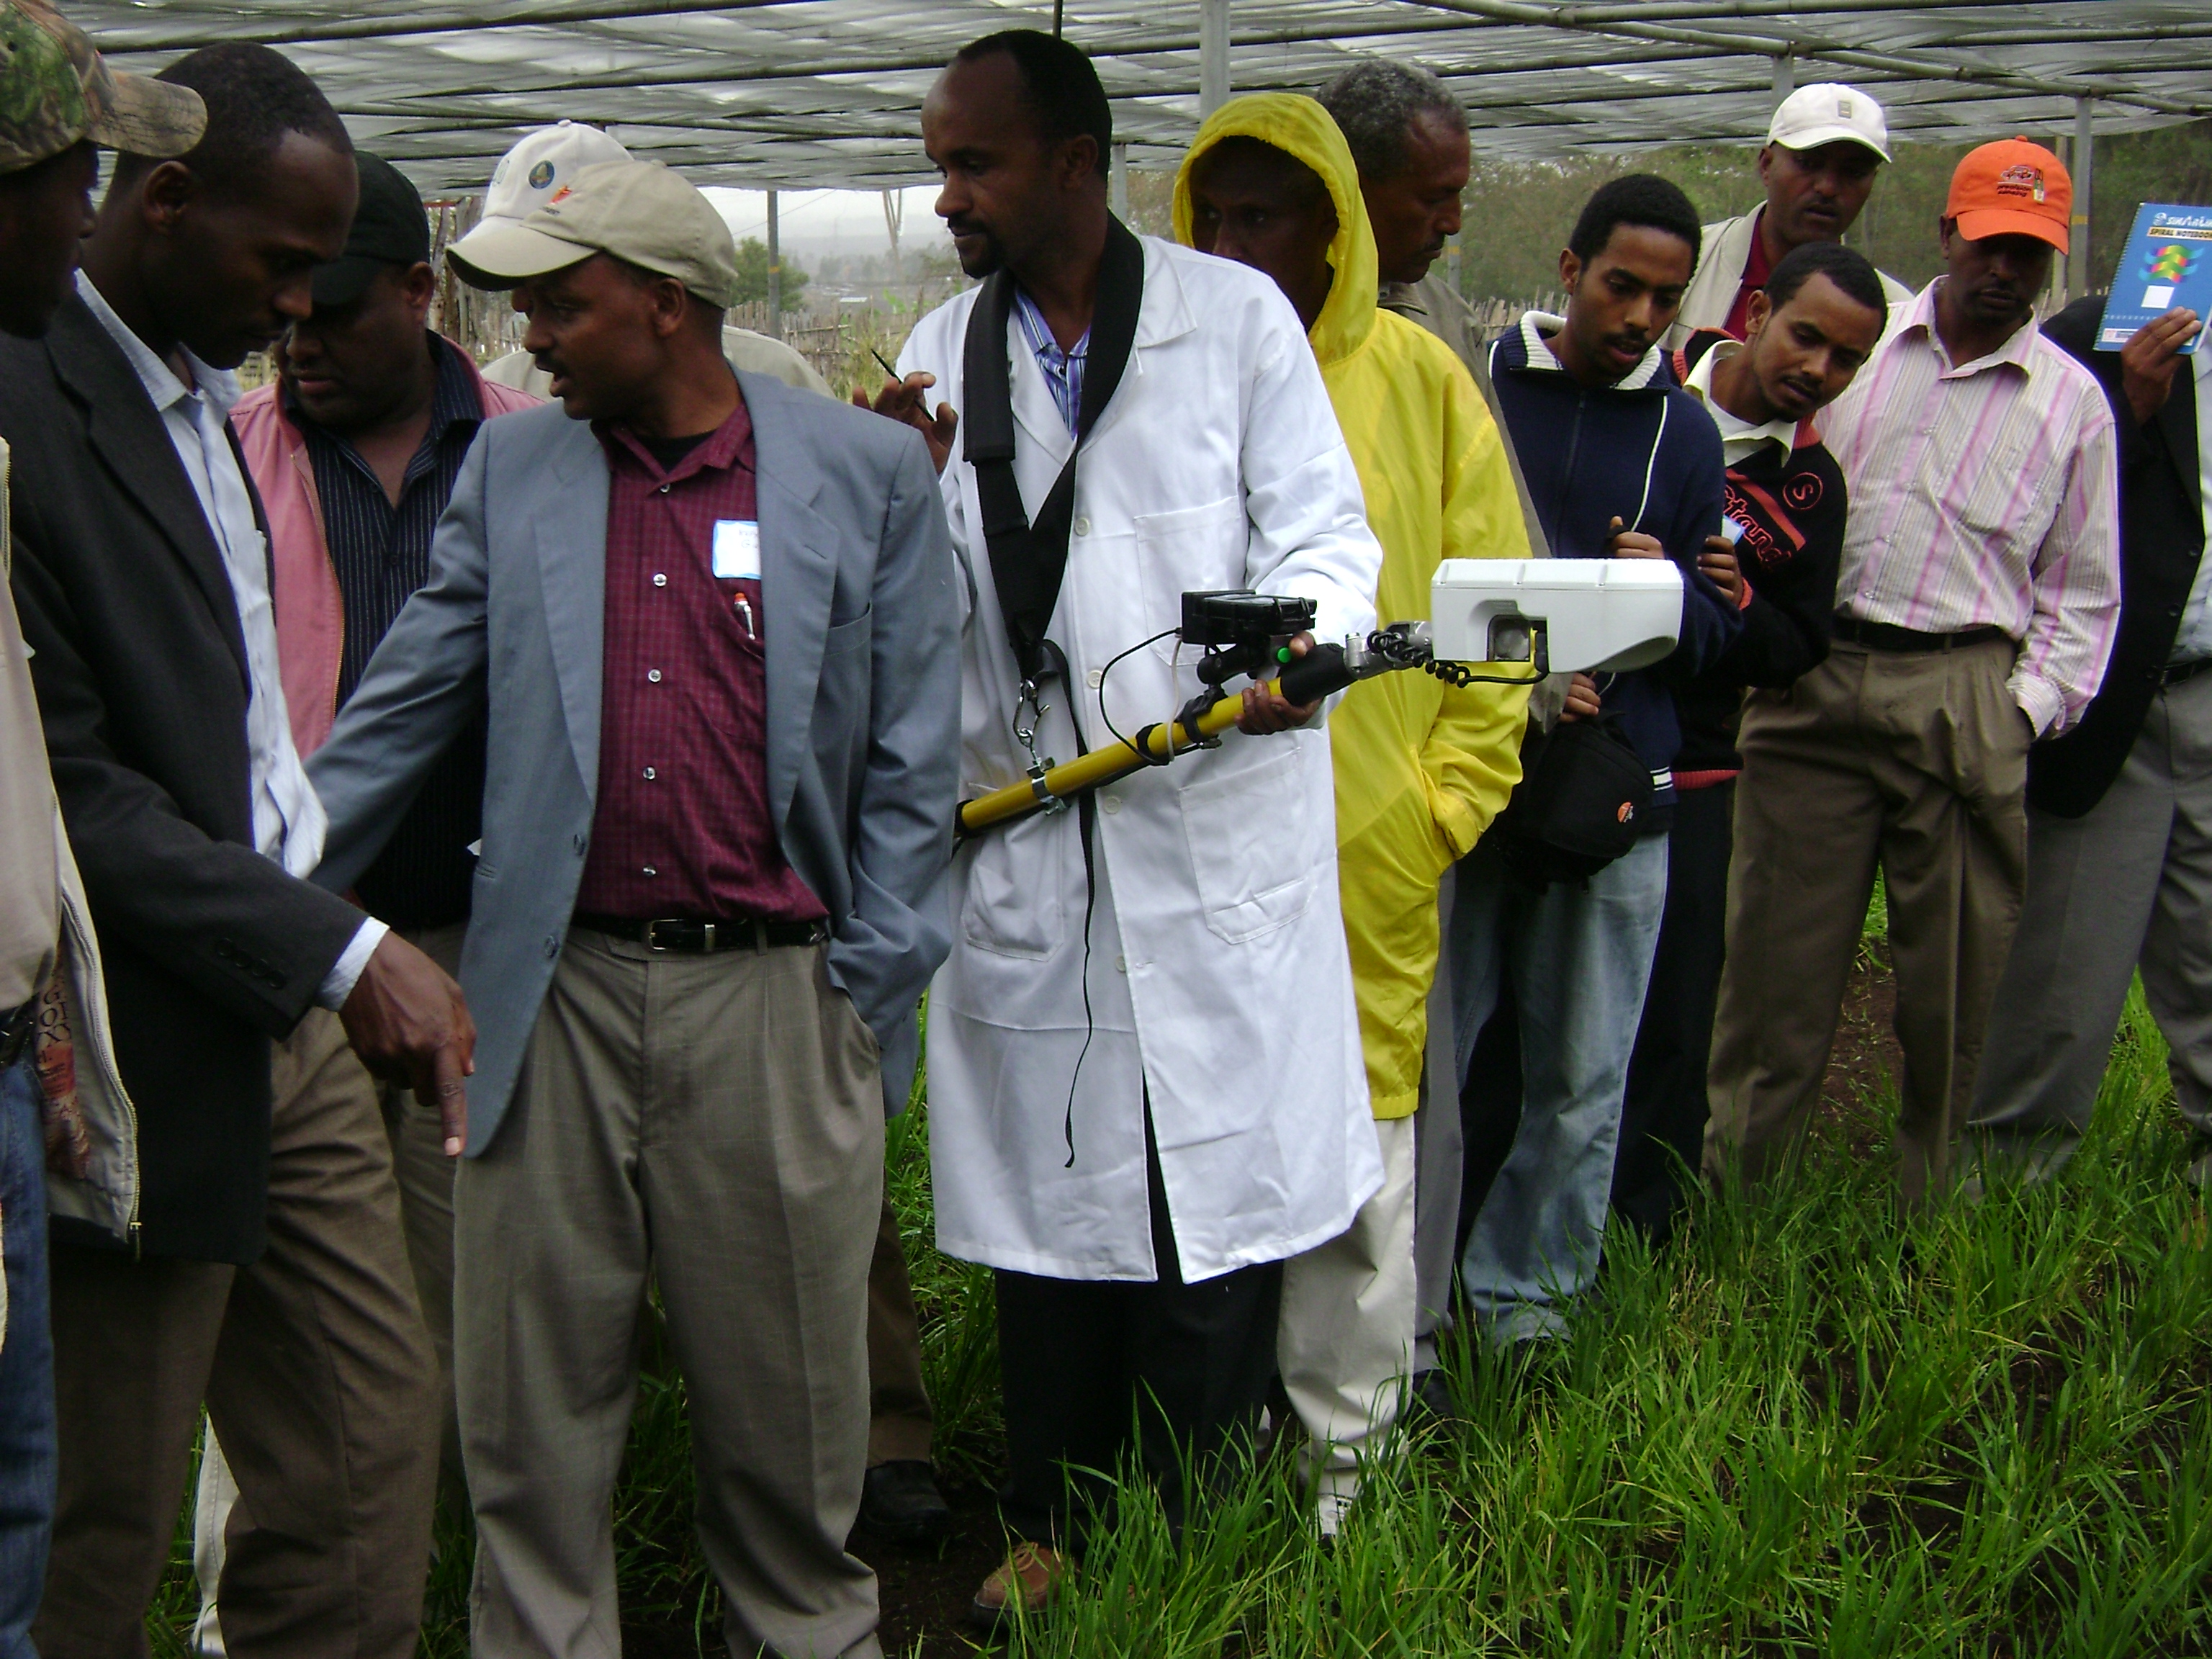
[1712,293]
[47,943]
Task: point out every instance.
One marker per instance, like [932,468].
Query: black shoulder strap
[1028,560]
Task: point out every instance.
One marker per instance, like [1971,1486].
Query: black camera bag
[1583,800]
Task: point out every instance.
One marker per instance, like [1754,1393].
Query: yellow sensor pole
[1149,747]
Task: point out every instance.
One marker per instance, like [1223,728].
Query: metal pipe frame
[1654,33]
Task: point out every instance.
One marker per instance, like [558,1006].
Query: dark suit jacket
[2161,539]
[210,949]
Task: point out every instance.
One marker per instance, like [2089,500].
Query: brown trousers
[316,1370]
[1916,764]
[714,1124]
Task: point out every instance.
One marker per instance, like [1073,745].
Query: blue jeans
[1579,962]
[27,1364]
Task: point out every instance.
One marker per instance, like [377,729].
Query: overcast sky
[832,221]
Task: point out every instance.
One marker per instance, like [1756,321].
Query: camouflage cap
[55,90]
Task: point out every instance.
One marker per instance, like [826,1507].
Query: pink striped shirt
[1984,494]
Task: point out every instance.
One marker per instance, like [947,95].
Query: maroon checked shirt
[681,825]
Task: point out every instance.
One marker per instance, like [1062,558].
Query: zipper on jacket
[1574,449]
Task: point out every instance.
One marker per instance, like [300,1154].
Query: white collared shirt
[1739,439]
[287,817]
[2194,638]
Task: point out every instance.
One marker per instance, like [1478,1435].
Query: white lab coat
[1217,975]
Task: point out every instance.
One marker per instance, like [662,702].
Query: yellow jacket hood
[1299,127]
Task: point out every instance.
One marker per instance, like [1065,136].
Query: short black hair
[1375,105]
[1847,268]
[1639,198]
[254,96]
[1064,94]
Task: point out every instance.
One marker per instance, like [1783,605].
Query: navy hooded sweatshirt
[1644,450]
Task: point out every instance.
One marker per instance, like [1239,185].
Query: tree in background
[752,275]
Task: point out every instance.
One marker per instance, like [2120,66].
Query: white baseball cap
[1828,112]
[539,171]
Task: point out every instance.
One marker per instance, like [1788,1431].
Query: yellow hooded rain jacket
[1421,768]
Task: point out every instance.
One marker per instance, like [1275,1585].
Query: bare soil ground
[1866,1060]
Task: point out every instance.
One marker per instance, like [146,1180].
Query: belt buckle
[652,944]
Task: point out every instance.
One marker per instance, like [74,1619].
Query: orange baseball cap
[2011,188]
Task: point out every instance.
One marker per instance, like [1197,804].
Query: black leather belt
[695,936]
[2175,672]
[17,1027]
[1887,636]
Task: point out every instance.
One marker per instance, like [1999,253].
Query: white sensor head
[1595,615]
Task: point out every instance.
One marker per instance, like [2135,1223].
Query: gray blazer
[862,644]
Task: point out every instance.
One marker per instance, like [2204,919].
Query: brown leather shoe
[1023,1580]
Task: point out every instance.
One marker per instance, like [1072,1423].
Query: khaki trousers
[314,1367]
[1913,763]
[1346,1339]
[713,1123]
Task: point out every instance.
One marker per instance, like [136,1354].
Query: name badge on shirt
[736,549]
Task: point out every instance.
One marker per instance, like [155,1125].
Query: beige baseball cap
[542,167]
[639,211]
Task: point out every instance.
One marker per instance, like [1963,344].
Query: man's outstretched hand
[906,402]
[407,1021]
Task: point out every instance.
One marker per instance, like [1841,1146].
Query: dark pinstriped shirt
[381,554]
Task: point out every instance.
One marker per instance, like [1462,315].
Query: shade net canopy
[785,94]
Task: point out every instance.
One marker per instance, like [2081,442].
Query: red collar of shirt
[1758,266]
[730,442]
